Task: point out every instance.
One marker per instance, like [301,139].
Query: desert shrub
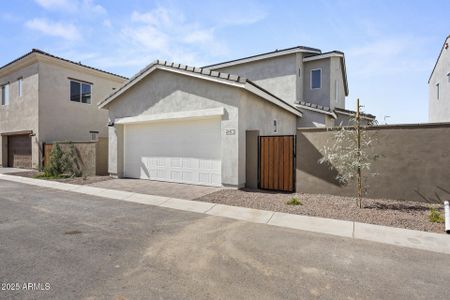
[63,163]
[294,201]
[435,216]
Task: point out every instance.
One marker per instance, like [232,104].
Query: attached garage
[187,151]
[19,151]
[182,124]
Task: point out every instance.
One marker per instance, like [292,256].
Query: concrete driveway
[12,170]
[89,248]
[158,188]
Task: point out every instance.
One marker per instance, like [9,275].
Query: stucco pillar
[115,150]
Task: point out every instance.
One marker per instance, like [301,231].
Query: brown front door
[19,151]
[277,163]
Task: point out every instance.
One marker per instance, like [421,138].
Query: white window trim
[81,82]
[20,87]
[310,79]
[6,103]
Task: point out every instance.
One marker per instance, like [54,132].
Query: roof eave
[439,57]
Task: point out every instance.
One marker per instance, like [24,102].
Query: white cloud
[57,29]
[73,6]
[66,5]
[388,56]
[167,34]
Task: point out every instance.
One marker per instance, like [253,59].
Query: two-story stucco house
[439,86]
[312,81]
[177,123]
[44,99]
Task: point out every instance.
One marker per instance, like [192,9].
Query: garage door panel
[185,152]
[19,151]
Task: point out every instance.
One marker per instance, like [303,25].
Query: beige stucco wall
[412,165]
[439,109]
[22,112]
[164,92]
[277,75]
[336,77]
[318,96]
[255,114]
[62,119]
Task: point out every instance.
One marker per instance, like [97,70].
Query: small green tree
[63,162]
[56,164]
[71,162]
[350,153]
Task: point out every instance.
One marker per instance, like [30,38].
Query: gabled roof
[334,53]
[315,107]
[332,112]
[352,113]
[277,52]
[207,74]
[440,53]
[40,52]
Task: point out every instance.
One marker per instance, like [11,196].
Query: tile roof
[37,51]
[315,106]
[328,110]
[277,51]
[342,110]
[194,70]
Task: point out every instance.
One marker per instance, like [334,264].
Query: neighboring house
[44,99]
[177,123]
[314,82]
[439,86]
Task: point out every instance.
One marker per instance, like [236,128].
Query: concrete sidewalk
[388,235]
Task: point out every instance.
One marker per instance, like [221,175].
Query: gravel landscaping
[402,214]
[73,180]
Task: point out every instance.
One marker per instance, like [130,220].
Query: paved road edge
[375,233]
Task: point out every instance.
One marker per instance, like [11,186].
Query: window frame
[437,91]
[311,79]
[81,83]
[20,87]
[3,88]
[336,91]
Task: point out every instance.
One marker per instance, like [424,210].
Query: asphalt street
[64,245]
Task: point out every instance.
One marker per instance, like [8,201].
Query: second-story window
[20,86]
[5,94]
[316,79]
[80,92]
[336,90]
[437,91]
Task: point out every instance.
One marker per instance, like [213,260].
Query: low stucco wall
[86,153]
[414,163]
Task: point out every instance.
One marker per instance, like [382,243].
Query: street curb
[359,231]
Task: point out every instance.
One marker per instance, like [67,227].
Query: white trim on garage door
[184,151]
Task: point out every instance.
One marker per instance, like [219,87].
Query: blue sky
[390,46]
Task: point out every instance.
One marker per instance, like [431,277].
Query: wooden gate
[277,163]
[47,150]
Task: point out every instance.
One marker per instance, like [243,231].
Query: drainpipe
[447,217]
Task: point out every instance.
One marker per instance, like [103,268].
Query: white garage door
[176,151]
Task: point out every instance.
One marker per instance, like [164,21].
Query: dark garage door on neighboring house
[19,151]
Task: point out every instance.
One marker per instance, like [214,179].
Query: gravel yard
[74,180]
[403,214]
